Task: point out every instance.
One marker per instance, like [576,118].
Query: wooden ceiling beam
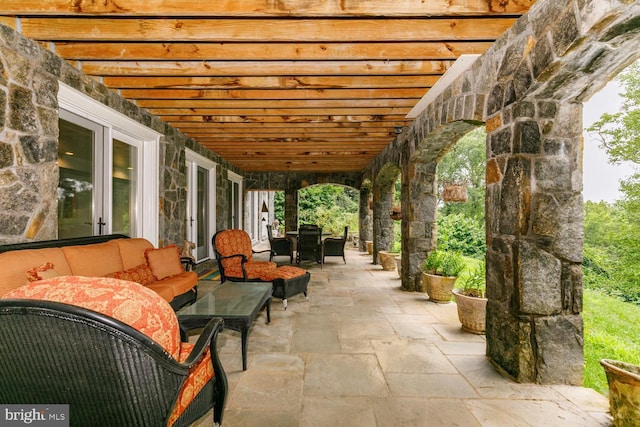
[266,68]
[278,94]
[298,141]
[195,104]
[287,119]
[203,134]
[261,8]
[286,81]
[281,112]
[268,51]
[288,128]
[264,30]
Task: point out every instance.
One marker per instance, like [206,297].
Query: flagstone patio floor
[360,352]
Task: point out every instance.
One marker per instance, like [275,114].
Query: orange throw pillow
[44,271]
[164,262]
[141,274]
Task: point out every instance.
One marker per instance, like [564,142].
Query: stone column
[534,242]
[382,222]
[419,214]
[365,223]
[291,209]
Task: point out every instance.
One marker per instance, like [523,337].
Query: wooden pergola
[289,85]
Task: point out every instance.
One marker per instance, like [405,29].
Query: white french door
[98,179]
[201,187]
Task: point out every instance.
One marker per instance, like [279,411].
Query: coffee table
[237,303]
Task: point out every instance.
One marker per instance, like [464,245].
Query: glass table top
[229,299]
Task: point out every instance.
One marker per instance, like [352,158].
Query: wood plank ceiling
[270,85]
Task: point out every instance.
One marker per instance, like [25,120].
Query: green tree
[611,236]
[330,206]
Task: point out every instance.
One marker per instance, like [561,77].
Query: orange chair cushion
[284,272]
[141,274]
[164,262]
[254,269]
[128,302]
[234,242]
[199,375]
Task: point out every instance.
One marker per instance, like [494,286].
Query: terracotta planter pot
[454,193]
[471,312]
[369,244]
[439,288]
[624,392]
[387,260]
[398,260]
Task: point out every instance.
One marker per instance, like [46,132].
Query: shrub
[444,263]
[462,234]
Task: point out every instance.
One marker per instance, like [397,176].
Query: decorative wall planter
[454,193]
[439,288]
[395,213]
[387,260]
[369,244]
[471,312]
[624,392]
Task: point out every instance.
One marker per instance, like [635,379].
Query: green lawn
[610,332]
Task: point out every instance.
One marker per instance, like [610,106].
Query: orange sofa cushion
[164,262]
[141,274]
[132,251]
[93,260]
[15,264]
[129,302]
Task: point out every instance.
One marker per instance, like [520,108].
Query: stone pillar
[534,242]
[419,214]
[382,222]
[365,223]
[291,209]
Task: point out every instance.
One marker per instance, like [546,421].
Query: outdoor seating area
[363,352]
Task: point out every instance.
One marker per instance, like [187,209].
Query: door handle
[100,225]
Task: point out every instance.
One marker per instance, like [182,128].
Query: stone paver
[361,352]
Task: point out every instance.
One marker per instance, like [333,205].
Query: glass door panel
[202,214]
[77,201]
[124,181]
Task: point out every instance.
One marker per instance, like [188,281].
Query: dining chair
[280,246]
[309,244]
[332,246]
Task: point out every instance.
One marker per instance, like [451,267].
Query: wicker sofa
[135,259]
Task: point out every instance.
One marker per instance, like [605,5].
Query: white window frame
[122,127]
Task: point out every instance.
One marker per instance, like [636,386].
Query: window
[108,171]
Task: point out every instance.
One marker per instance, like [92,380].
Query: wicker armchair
[280,246]
[108,370]
[335,247]
[235,257]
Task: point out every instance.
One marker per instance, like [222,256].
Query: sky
[600,178]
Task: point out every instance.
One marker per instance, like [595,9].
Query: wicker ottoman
[287,282]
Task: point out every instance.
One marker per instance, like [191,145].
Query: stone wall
[527,89]
[29,77]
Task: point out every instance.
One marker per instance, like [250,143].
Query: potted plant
[471,301]
[624,391]
[441,269]
[388,260]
